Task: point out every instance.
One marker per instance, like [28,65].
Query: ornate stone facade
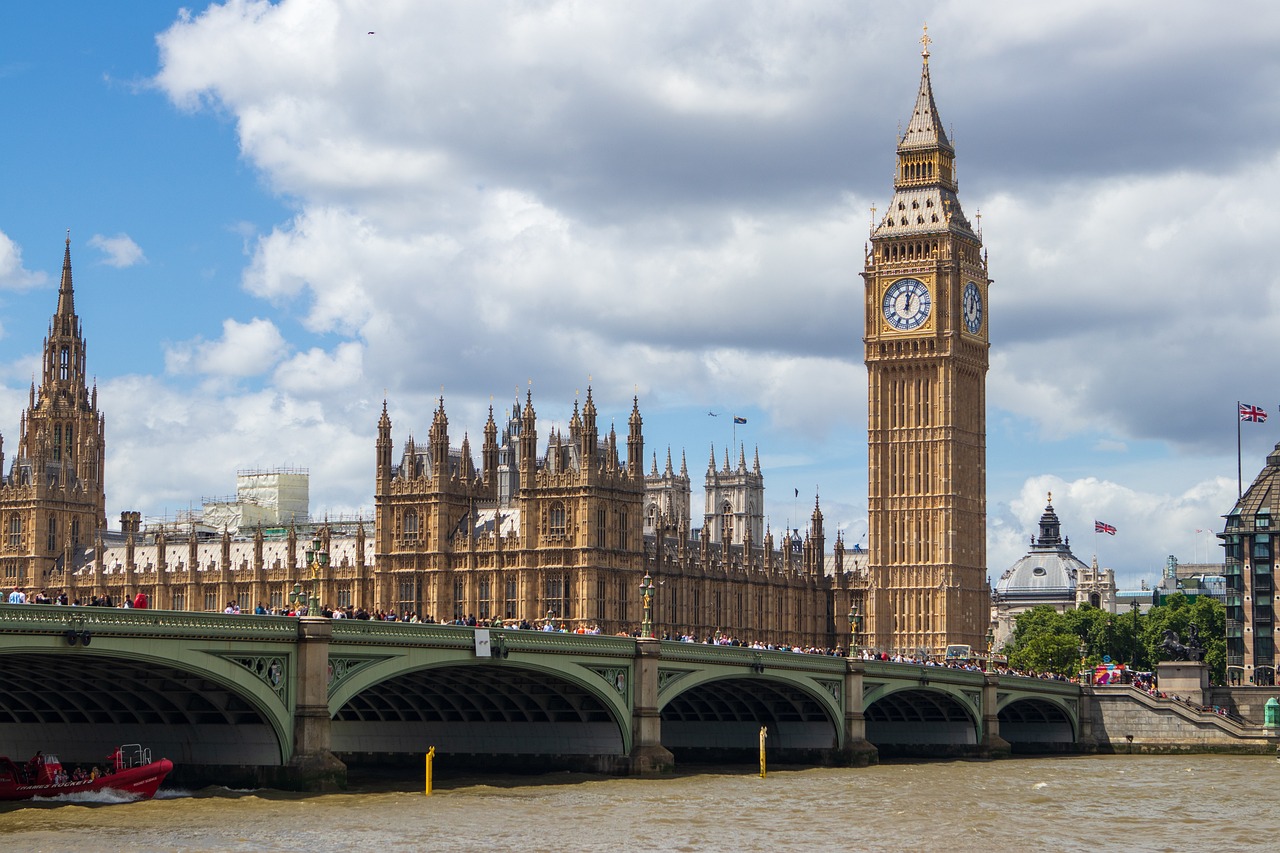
[52,501]
[926,351]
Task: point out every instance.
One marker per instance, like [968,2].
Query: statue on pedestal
[1176,650]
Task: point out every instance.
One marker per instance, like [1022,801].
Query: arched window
[57,442]
[64,366]
[726,524]
[52,541]
[555,520]
[15,531]
[411,525]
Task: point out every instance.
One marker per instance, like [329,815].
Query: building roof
[1048,570]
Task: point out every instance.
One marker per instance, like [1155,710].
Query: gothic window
[556,603]
[726,524]
[483,606]
[511,599]
[180,600]
[344,595]
[408,599]
[52,542]
[601,593]
[57,442]
[70,448]
[75,532]
[556,523]
[64,364]
[602,525]
[457,599]
[411,525]
[623,541]
[211,601]
[15,531]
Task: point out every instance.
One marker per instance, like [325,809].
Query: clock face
[971,307]
[906,304]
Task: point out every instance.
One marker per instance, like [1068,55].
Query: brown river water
[1176,803]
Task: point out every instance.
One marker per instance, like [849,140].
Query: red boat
[128,770]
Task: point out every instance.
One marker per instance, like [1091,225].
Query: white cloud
[245,349]
[13,276]
[121,252]
[675,200]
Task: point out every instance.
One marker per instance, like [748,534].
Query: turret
[635,442]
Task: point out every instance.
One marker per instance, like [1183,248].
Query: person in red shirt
[140,601]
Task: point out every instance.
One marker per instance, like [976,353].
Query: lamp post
[855,628]
[1133,663]
[646,595]
[991,649]
[317,558]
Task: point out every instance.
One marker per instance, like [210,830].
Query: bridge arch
[902,718]
[192,706]
[1037,723]
[468,705]
[717,715]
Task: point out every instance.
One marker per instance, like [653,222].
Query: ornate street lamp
[317,558]
[855,628]
[646,595]
[991,649]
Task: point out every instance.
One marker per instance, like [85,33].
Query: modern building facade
[926,351]
[1249,540]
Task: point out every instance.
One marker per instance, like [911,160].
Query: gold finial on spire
[926,41]
[1051,497]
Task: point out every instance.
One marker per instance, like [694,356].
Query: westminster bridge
[287,701]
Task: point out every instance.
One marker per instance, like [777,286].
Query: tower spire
[66,295]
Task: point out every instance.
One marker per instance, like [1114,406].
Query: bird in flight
[714,414]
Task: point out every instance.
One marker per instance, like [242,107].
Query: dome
[1041,573]
[1049,570]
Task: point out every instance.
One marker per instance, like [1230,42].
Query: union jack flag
[1256,414]
[1103,527]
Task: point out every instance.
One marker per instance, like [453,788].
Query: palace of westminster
[569,525]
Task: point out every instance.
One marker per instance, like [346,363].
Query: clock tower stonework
[926,351]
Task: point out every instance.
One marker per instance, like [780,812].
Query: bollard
[764,733]
[431,754]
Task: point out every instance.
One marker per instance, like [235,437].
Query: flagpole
[1239,466]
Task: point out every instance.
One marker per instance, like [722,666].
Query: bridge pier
[992,745]
[648,755]
[313,767]
[857,751]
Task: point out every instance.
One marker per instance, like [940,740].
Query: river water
[1217,803]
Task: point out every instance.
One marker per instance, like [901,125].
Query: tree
[1178,614]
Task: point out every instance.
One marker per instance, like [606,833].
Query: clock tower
[926,350]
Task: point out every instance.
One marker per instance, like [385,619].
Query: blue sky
[277,218]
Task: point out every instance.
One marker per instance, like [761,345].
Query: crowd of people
[20,596]
[551,624]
